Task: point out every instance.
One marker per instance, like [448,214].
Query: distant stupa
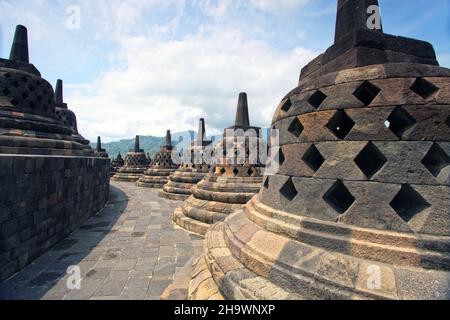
[190,173]
[161,168]
[359,208]
[136,163]
[229,185]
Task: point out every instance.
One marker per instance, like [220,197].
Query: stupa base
[173,196]
[190,224]
[255,255]
[202,285]
[126,177]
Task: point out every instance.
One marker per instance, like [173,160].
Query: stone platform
[130,250]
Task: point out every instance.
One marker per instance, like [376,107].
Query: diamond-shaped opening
[15,83]
[339,198]
[222,171]
[436,160]
[341,124]
[25,95]
[313,158]
[286,105]
[288,190]
[31,88]
[317,99]
[236,171]
[424,88]
[408,203]
[280,158]
[366,93]
[266,183]
[6,92]
[400,121]
[370,160]
[14,102]
[296,127]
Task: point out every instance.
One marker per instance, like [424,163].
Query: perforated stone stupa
[360,206]
[116,164]
[190,173]
[67,116]
[229,185]
[136,163]
[50,179]
[99,151]
[162,167]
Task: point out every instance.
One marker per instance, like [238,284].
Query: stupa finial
[59,92]
[201,135]
[136,144]
[19,48]
[168,139]
[99,144]
[242,118]
[353,15]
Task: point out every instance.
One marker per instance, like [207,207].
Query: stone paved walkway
[130,250]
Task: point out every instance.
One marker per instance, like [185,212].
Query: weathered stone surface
[136,163]
[230,183]
[51,181]
[359,207]
[191,172]
[161,168]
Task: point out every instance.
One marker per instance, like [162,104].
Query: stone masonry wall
[42,200]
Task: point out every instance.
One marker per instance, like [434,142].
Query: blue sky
[144,66]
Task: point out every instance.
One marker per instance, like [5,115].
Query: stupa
[162,167]
[136,163]
[360,206]
[99,151]
[67,116]
[191,172]
[229,185]
[51,181]
[116,164]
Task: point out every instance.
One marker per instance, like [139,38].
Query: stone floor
[130,250]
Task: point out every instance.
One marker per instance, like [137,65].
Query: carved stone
[360,206]
[162,167]
[229,185]
[190,173]
[136,163]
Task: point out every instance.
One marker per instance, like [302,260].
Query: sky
[144,66]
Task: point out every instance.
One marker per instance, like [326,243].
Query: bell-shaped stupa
[30,122]
[51,180]
[162,167]
[231,183]
[99,151]
[116,164]
[190,172]
[67,116]
[136,163]
[360,206]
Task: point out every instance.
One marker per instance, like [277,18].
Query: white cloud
[278,6]
[170,84]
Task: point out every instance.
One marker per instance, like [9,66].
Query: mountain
[150,144]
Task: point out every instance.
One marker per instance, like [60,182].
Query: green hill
[150,144]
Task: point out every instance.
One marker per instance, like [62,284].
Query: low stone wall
[42,200]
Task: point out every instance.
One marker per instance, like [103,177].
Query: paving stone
[121,254]
[156,288]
